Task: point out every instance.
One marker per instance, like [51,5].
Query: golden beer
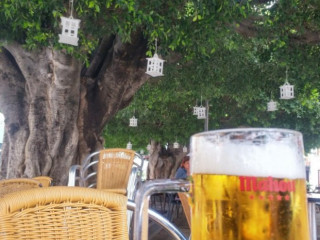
[248,184]
[249,208]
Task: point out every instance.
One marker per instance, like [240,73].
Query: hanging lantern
[195,110]
[155,65]
[69,33]
[133,122]
[286,91]
[272,106]
[175,145]
[70,26]
[184,149]
[201,112]
[129,145]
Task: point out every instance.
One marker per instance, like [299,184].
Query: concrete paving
[172,212]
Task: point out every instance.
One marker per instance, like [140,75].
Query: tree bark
[55,109]
[163,162]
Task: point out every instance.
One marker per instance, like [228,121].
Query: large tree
[57,98]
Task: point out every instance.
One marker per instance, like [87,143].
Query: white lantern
[175,145]
[201,112]
[272,106]
[287,91]
[195,110]
[184,149]
[69,33]
[129,145]
[155,66]
[133,122]
[149,147]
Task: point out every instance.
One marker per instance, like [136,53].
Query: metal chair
[87,174]
[17,184]
[162,221]
[63,213]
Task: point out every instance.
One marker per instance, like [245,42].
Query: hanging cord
[71,8]
[286,74]
[156,46]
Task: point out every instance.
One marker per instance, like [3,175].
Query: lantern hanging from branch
[129,145]
[133,122]
[155,65]
[195,109]
[176,144]
[184,149]
[70,26]
[201,112]
[287,90]
[272,106]
[149,147]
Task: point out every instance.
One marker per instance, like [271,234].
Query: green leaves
[233,53]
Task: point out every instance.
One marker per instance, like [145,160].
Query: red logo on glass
[269,185]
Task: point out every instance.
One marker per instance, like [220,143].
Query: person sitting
[183,170]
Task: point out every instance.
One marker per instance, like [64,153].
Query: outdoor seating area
[97,206]
[160,120]
[87,208]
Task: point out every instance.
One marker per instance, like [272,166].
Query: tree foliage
[238,67]
[233,53]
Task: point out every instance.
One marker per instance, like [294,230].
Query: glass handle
[140,229]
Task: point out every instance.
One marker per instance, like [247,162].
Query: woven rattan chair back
[114,168]
[61,213]
[44,180]
[186,206]
[17,184]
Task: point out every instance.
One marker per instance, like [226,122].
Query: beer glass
[247,184]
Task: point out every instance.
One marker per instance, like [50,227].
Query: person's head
[186,163]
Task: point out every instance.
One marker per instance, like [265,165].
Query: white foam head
[257,152]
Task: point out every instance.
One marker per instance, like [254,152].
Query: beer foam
[279,159]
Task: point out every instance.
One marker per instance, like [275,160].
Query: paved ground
[178,218]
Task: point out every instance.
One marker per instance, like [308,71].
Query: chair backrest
[44,180]
[114,168]
[17,184]
[186,206]
[85,175]
[63,213]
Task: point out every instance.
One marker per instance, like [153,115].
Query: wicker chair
[186,206]
[17,184]
[44,180]
[60,213]
[114,168]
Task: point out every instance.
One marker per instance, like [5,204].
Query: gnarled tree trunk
[55,109]
[163,162]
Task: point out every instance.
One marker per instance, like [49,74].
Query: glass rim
[244,129]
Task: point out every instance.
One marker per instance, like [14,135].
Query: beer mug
[246,184]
